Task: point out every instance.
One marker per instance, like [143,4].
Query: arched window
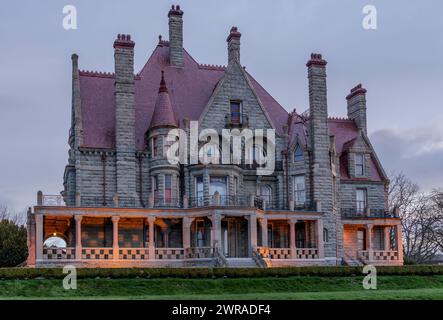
[265,193]
[298,154]
[55,242]
[325,235]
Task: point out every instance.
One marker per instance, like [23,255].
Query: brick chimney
[175,16]
[320,165]
[234,45]
[357,106]
[319,132]
[124,89]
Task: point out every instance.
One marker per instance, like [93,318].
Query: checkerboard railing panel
[169,253]
[306,253]
[133,253]
[97,253]
[385,255]
[58,253]
[280,253]
[199,252]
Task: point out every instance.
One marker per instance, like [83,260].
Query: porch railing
[133,253]
[306,253]
[166,202]
[169,253]
[97,253]
[286,253]
[377,255]
[58,253]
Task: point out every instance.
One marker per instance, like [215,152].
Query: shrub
[13,246]
[150,273]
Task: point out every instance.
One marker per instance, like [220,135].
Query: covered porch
[136,237]
[373,241]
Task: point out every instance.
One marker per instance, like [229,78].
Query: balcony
[236,122]
[354,213]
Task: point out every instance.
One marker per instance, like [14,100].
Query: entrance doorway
[235,237]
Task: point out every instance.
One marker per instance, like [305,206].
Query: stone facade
[125,202]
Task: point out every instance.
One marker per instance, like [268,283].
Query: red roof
[163,113]
[188,91]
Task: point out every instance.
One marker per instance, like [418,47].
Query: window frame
[299,192]
[240,111]
[298,157]
[359,167]
[360,209]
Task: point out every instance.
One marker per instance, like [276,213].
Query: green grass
[295,287]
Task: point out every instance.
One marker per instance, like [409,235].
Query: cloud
[417,152]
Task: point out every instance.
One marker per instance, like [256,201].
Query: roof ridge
[93,73]
[211,66]
[339,118]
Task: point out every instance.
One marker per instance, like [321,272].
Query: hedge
[56,273]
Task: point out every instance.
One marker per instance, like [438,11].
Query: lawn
[294,287]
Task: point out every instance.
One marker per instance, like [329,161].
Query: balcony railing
[166,202]
[366,213]
[241,121]
[52,200]
[230,201]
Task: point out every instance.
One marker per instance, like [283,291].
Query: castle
[127,204]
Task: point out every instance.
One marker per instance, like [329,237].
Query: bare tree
[18,218]
[419,217]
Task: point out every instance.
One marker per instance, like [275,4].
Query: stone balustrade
[58,253]
[133,253]
[97,253]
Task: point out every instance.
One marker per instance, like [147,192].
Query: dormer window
[236,112]
[298,154]
[360,164]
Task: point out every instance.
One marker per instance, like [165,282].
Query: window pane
[299,189]
[298,154]
[168,181]
[359,164]
[235,112]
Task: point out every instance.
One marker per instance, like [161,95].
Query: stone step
[241,262]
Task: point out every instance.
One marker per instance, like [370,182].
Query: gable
[234,86]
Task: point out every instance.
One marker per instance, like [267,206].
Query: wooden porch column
[320,244]
[253,232]
[264,232]
[216,230]
[78,237]
[369,241]
[399,242]
[387,244]
[115,247]
[39,219]
[292,238]
[186,232]
[151,252]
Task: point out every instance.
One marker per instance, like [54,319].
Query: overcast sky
[400,63]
